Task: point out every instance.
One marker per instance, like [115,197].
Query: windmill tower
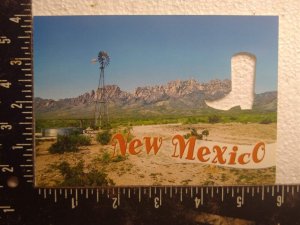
[101,111]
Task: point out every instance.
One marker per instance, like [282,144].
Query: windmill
[101,109]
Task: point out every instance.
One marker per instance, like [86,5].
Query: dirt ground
[162,169]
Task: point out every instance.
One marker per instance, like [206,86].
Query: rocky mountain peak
[173,96]
[148,94]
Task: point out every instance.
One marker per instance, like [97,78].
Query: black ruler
[22,203]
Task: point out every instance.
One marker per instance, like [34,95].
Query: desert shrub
[119,158]
[199,136]
[205,133]
[187,136]
[75,175]
[106,126]
[63,144]
[190,121]
[233,118]
[69,143]
[98,178]
[83,140]
[37,142]
[104,137]
[266,121]
[126,132]
[105,157]
[214,119]
[193,133]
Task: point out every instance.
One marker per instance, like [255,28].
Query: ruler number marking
[156,202]
[16,105]
[239,201]
[4,40]
[15,19]
[5,84]
[5,127]
[7,169]
[15,62]
[279,201]
[197,202]
[115,203]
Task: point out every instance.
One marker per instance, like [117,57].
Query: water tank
[54,132]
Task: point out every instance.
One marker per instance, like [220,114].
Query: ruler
[23,203]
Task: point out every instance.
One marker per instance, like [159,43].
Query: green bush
[105,157]
[205,133]
[83,140]
[69,143]
[104,137]
[119,158]
[266,121]
[187,136]
[232,118]
[214,119]
[63,144]
[193,133]
[98,178]
[75,176]
[127,133]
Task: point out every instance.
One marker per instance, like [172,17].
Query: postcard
[155,100]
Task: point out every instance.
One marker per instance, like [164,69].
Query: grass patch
[127,121]
[107,158]
[266,121]
[119,158]
[214,119]
[127,133]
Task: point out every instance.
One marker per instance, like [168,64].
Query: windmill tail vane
[93,61]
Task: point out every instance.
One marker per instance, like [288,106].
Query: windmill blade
[93,61]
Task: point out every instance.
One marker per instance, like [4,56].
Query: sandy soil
[162,169]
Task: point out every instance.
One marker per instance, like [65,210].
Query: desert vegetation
[104,137]
[136,120]
[91,159]
[69,143]
[194,133]
[75,176]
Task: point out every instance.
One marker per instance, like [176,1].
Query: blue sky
[148,50]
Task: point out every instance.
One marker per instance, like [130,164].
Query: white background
[288,151]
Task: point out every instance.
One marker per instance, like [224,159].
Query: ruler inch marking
[97,195]
[201,196]
[22,37]
[22,15]
[222,198]
[160,197]
[140,194]
[181,199]
[55,196]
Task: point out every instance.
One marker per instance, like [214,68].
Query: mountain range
[183,97]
